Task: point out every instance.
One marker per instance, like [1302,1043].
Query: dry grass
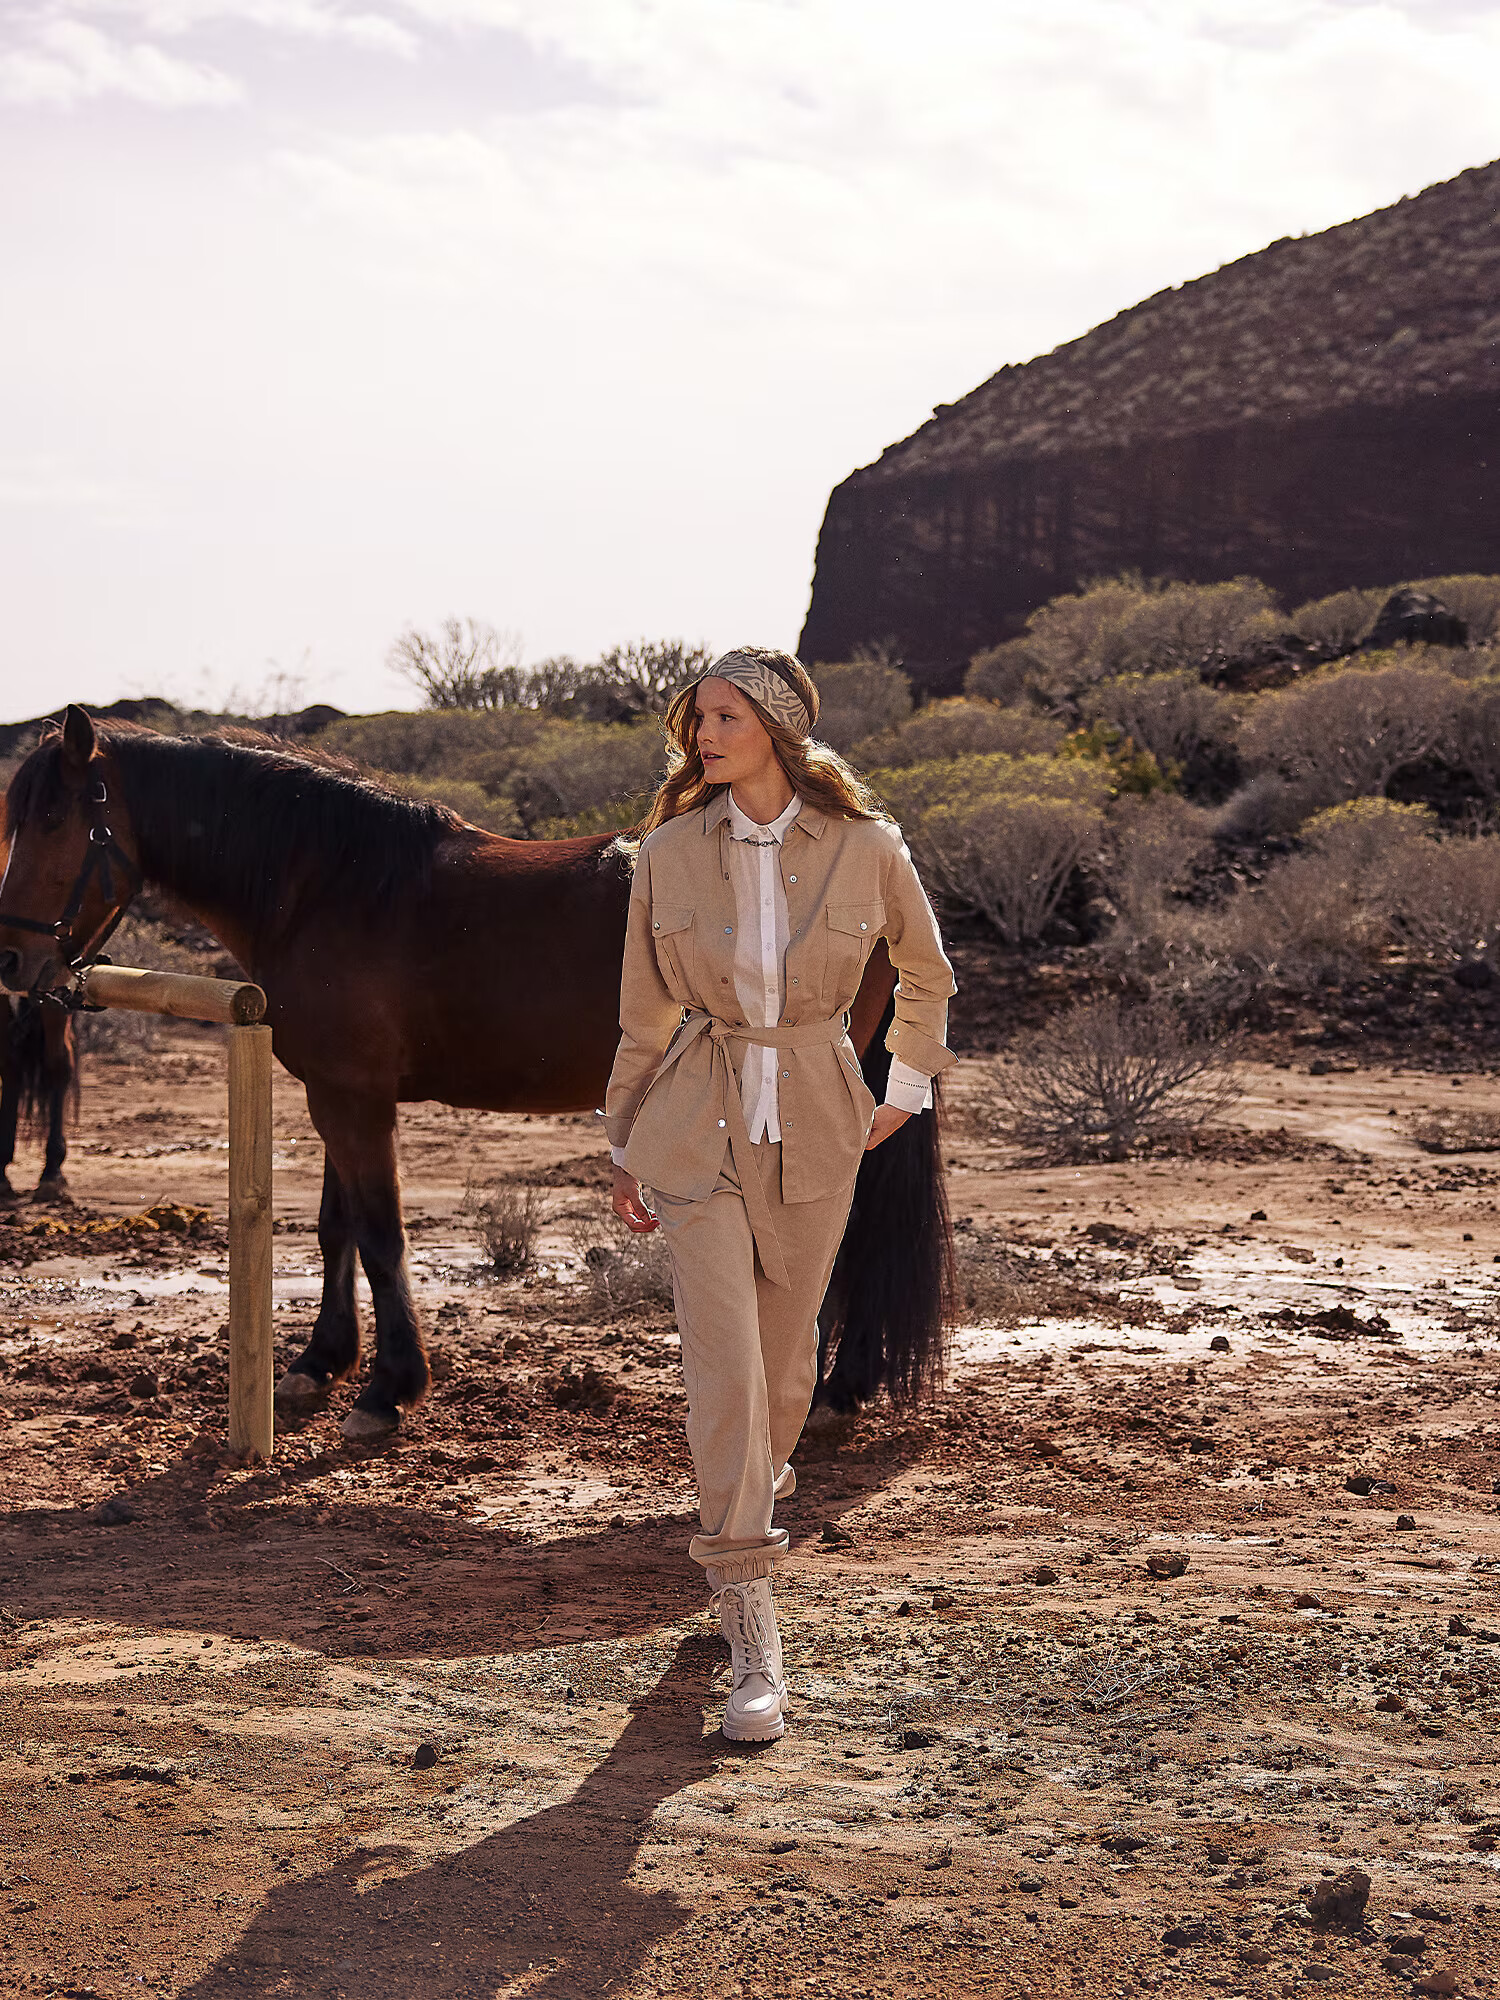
[505,1221]
[622,1270]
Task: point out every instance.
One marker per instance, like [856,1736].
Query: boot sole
[763,1735]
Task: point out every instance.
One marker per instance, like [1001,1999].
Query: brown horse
[406,955]
[38,1084]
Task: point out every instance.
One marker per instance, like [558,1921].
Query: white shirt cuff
[617,1154]
[907,1089]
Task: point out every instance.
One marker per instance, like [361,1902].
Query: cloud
[70,62]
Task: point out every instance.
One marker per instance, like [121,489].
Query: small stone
[1219,1344]
[1029,1885]
[1364,1483]
[1123,1843]
[1443,1981]
[617,1520]
[1406,1521]
[1258,1215]
[835,1537]
[1255,1954]
[1217,1854]
[1307,1600]
[112,1513]
[1391,1704]
[1044,1574]
[143,1386]
[1315,1969]
[783,1846]
[1341,1901]
[1459,1628]
[919,1739]
[424,1757]
[943,1600]
[943,1858]
[1168,1563]
[1410,1944]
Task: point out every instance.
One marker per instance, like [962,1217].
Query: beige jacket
[672,1101]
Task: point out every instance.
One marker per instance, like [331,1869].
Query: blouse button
[785,1074]
[729,930]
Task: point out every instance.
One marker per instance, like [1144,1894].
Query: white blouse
[762,933]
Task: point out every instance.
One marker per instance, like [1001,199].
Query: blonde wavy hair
[814,771]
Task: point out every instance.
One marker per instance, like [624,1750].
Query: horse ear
[78,740]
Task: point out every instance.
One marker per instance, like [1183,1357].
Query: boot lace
[752,1642]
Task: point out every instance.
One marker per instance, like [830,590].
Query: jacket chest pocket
[851,930]
[672,934]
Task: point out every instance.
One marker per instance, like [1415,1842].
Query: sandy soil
[440,1720]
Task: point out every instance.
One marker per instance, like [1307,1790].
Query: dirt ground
[440,1720]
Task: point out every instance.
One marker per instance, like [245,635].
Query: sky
[321,320]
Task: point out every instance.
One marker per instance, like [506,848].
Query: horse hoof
[366,1426]
[295,1387]
[56,1191]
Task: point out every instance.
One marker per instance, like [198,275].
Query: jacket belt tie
[815,1034]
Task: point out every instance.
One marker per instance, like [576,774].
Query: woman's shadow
[543,1909]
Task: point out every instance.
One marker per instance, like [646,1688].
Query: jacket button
[721,1124]
[656,926]
[796,982]
[864,927]
[785,1073]
[729,930]
[791,878]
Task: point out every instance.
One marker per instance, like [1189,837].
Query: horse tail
[889,1303]
[43,1053]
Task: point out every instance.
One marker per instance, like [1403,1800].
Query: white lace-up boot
[755,1710]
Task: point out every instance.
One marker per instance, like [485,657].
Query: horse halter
[103,857]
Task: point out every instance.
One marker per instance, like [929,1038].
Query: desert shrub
[1447,899]
[958,728]
[1344,733]
[1106,1076]
[587,768]
[1175,716]
[913,790]
[1339,621]
[1186,625]
[858,699]
[1367,840]
[447,743]
[469,665]
[622,1270]
[505,1221]
[1477,736]
[1007,859]
[1475,599]
[470,801]
[1120,760]
[1003,673]
[1153,843]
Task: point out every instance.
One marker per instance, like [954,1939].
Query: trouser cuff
[739,1569]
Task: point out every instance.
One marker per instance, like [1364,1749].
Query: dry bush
[1153,843]
[1008,859]
[1002,673]
[505,1221]
[917,788]
[1478,734]
[1370,842]
[473,745]
[1106,1077]
[622,1270]
[1342,734]
[1475,599]
[1447,901]
[1339,621]
[1185,625]
[959,728]
[1173,715]
[142,941]
[470,801]
[859,698]
[1457,1131]
[587,767]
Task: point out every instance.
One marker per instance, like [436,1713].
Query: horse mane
[269,831]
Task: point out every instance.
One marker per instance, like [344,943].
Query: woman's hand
[887,1120]
[627,1204]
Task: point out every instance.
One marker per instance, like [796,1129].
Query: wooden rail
[239,1005]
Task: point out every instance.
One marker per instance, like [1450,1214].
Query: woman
[765,873]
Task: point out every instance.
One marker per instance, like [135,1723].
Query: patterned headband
[772,687]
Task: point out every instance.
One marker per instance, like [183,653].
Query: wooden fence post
[251,1417]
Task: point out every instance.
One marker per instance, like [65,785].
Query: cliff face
[1321,414]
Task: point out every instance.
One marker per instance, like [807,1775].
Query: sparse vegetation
[505,1221]
[1106,1076]
[620,1269]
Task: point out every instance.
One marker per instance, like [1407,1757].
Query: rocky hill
[1320,414]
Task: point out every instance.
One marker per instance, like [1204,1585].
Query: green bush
[1129,768]
[471,802]
[449,743]
[1476,599]
[916,789]
[1174,716]
[1339,621]
[958,728]
[1345,732]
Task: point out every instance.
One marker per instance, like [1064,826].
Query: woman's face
[733,742]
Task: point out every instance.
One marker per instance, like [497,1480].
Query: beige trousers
[749,1354]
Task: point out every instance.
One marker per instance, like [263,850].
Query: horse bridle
[103,857]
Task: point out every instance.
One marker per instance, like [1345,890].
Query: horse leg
[360,1135]
[60,1073]
[333,1351]
[10,1094]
